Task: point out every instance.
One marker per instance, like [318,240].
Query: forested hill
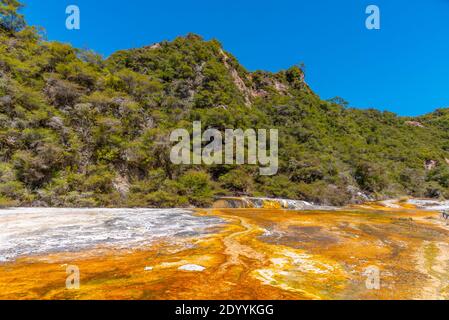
[79,130]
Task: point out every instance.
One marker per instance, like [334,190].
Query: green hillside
[79,130]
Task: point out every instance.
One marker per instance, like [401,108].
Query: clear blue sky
[404,67]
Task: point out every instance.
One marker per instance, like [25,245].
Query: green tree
[10,19]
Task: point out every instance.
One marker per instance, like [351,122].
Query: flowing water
[246,249]
[37,231]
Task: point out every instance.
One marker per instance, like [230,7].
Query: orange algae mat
[259,254]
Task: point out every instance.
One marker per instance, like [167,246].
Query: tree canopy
[80,130]
[10,19]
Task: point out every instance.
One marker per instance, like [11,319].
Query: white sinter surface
[35,231]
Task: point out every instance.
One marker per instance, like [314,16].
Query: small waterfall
[265,203]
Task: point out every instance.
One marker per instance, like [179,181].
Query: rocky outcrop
[121,184]
[238,81]
[249,93]
[430,164]
[414,124]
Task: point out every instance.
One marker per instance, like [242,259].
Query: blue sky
[404,67]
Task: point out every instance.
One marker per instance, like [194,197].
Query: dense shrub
[80,130]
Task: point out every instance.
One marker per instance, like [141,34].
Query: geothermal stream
[243,248]
[267,203]
[37,231]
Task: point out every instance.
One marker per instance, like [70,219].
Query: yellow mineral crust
[260,254]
